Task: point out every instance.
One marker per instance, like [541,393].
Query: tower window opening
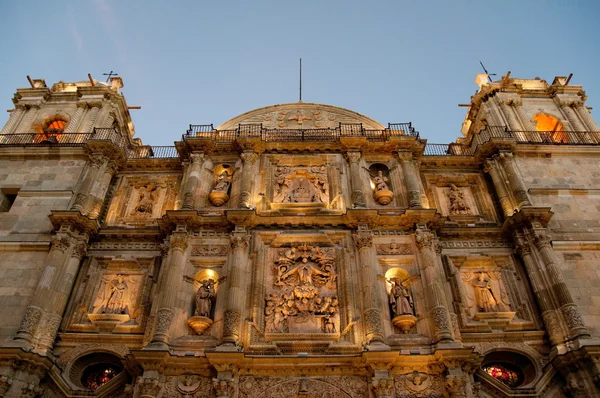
[550,128]
[504,373]
[97,375]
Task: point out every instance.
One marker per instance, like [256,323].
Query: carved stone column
[358,196]
[149,387]
[515,180]
[43,316]
[13,119]
[434,293]
[509,114]
[525,121]
[30,117]
[97,166]
[91,116]
[490,166]
[568,308]
[572,116]
[191,185]
[372,314]
[412,179]
[62,286]
[248,159]
[239,263]
[586,116]
[171,286]
[74,122]
[100,187]
[542,294]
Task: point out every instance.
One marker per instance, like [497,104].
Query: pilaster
[248,160]
[358,196]
[490,166]
[515,180]
[193,179]
[412,179]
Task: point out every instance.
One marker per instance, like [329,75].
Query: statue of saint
[484,295]
[400,299]
[223,182]
[146,201]
[458,204]
[380,182]
[113,297]
[204,298]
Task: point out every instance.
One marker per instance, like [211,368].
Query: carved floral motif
[30,320]
[190,386]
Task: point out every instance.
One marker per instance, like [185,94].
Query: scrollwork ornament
[363,240]
[164,316]
[30,320]
[239,241]
[441,323]
[383,387]
[373,323]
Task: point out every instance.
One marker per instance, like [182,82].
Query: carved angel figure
[223,182]
[400,299]
[146,201]
[458,204]
[204,298]
[380,182]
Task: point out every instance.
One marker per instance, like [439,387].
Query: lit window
[550,128]
[503,373]
[97,375]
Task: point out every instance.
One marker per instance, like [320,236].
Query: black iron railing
[45,139]
[153,152]
[207,131]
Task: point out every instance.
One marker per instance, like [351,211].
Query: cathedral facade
[300,250]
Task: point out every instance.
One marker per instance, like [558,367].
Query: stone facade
[300,250]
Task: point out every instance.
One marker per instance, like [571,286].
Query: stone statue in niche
[147,196]
[402,306]
[301,185]
[457,202]
[400,299]
[204,298]
[114,296]
[484,295]
[219,195]
[304,299]
[381,191]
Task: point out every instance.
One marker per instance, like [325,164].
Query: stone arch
[528,364]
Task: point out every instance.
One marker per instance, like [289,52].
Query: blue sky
[208,61]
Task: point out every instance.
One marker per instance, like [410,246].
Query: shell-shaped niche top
[301,115]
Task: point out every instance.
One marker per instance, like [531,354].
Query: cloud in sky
[75,33]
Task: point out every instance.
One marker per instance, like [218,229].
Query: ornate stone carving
[372,318]
[456,385]
[572,317]
[145,203]
[382,193]
[304,297]
[239,241]
[164,316]
[323,387]
[210,250]
[457,202]
[61,244]
[80,250]
[5,383]
[439,316]
[192,386]
[363,240]
[149,387]
[487,300]
[224,388]
[393,249]
[30,320]
[542,240]
[117,294]
[417,384]
[249,157]
[423,239]
[178,242]
[301,185]
[80,201]
[358,199]
[231,323]
[400,299]
[383,387]
[552,323]
[245,202]
[50,327]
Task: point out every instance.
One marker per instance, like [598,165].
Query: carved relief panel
[112,296]
[301,185]
[489,294]
[141,200]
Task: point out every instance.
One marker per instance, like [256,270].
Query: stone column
[170,288]
[100,187]
[525,121]
[434,293]
[48,291]
[358,196]
[456,385]
[509,114]
[515,180]
[91,116]
[541,292]
[569,112]
[193,179]
[13,120]
[235,299]
[30,117]
[372,314]
[412,180]
[74,122]
[248,159]
[62,286]
[586,116]
[567,306]
[490,166]
[95,165]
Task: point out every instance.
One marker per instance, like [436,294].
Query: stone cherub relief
[301,185]
[485,291]
[457,203]
[304,297]
[116,295]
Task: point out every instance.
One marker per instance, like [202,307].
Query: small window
[51,130]
[504,373]
[99,374]
[7,198]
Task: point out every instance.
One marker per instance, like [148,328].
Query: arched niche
[380,182]
[100,372]
[221,187]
